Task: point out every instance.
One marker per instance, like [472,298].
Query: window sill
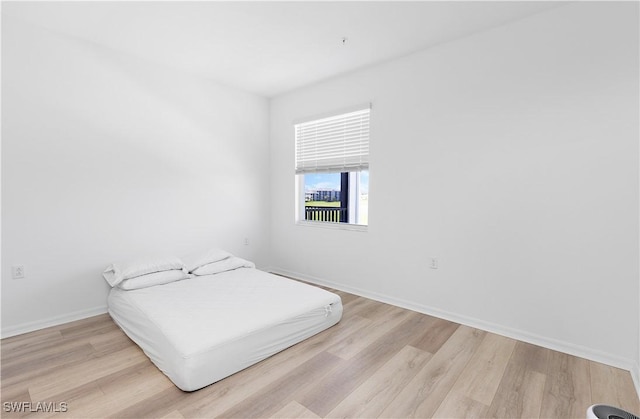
[333,226]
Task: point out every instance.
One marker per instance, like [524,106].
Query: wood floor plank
[79,330]
[210,401]
[348,348]
[48,364]
[93,322]
[174,414]
[371,397]
[424,393]
[152,406]
[482,375]
[276,395]
[110,341]
[521,390]
[294,410]
[355,303]
[613,386]
[567,390]
[18,346]
[121,390]
[17,394]
[525,399]
[532,357]
[439,331]
[457,405]
[476,386]
[52,384]
[328,393]
[96,322]
[36,363]
[345,297]
[629,399]
[79,396]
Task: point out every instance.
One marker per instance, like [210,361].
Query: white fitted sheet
[203,329]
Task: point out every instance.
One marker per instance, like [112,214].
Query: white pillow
[118,272]
[228,264]
[197,260]
[156,278]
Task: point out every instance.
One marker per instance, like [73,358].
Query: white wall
[512,156]
[107,157]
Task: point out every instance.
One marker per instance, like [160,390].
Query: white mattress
[203,329]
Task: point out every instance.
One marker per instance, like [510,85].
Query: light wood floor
[379,361]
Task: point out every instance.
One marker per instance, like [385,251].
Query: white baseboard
[554,344]
[54,321]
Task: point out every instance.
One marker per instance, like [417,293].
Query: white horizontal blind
[336,144]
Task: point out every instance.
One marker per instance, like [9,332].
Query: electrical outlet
[17,271]
[434,263]
[246,241]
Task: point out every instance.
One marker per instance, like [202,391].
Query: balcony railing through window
[330,214]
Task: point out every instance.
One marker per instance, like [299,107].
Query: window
[332,166]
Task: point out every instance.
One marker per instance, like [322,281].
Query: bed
[202,329]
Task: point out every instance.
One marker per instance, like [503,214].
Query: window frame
[353,201]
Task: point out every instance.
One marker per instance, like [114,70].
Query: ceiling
[269,48]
